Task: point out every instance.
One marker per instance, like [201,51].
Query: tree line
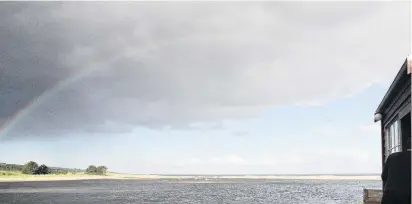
[32,167]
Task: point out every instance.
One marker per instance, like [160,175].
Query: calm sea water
[141,192]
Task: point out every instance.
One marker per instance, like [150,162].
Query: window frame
[393,140]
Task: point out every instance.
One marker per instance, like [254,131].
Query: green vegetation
[10,167]
[32,168]
[11,174]
[29,167]
[93,170]
[62,172]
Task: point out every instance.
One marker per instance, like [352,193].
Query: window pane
[387,139]
[395,135]
[392,129]
[396,126]
[399,136]
[387,142]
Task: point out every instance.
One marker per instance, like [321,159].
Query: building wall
[397,108]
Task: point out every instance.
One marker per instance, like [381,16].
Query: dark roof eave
[401,74]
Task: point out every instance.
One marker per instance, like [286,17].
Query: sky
[198,87]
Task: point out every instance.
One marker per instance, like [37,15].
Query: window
[392,139]
[387,142]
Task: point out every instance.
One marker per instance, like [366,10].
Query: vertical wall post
[382,146]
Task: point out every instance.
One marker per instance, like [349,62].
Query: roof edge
[401,74]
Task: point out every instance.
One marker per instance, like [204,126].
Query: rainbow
[34,103]
[10,124]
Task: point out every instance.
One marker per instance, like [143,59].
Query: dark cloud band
[175,64]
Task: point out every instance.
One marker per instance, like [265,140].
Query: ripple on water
[128,191]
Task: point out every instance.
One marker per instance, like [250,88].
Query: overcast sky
[205,87]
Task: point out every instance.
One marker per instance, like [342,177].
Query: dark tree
[92,169]
[42,169]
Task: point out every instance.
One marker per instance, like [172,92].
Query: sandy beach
[182,178]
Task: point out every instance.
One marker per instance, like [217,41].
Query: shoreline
[199,179]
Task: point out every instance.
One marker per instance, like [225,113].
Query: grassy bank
[16,176]
[11,174]
[32,171]
[19,174]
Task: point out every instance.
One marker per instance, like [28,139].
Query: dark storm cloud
[29,62]
[175,64]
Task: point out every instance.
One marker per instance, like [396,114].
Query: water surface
[167,192]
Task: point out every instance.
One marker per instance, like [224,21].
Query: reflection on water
[140,192]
